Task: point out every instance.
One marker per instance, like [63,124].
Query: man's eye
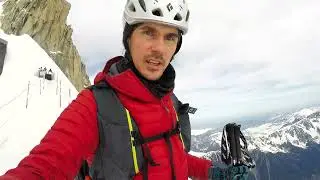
[149,33]
[172,38]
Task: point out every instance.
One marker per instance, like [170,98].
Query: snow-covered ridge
[29,103]
[295,129]
[197,132]
[278,135]
[306,111]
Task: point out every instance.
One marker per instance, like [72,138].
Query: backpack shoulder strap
[84,171]
[183,111]
[111,111]
[100,85]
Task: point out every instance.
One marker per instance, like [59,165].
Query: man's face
[152,46]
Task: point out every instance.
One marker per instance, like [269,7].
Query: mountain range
[287,146]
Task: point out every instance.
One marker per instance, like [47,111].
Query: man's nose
[159,45]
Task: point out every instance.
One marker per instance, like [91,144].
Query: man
[143,81]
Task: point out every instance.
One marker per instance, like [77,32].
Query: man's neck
[160,87]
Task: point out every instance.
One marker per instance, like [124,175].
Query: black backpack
[109,96]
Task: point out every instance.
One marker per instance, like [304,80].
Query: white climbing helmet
[170,12]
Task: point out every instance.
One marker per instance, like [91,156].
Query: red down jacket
[74,136]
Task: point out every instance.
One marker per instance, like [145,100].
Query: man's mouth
[153,62]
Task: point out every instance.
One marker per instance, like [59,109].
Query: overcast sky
[240,58]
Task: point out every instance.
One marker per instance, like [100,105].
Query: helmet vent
[157,12]
[143,5]
[188,14]
[132,8]
[178,17]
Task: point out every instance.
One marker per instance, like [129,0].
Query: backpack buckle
[186,108]
[136,140]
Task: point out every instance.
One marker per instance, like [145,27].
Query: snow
[305,112]
[197,132]
[23,125]
[294,140]
[263,130]
[291,129]
[55,52]
[295,128]
[198,154]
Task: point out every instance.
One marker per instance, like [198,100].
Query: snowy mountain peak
[298,129]
[280,134]
[305,112]
[196,132]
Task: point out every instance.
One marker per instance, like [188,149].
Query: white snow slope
[21,126]
[199,131]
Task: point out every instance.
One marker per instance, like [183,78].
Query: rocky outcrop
[45,21]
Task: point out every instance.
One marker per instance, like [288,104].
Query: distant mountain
[286,147]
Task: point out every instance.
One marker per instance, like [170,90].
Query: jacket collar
[126,82]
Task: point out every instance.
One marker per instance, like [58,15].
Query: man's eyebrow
[146,28]
[173,34]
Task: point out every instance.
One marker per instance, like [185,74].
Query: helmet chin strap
[178,44]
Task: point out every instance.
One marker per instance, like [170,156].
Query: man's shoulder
[98,85]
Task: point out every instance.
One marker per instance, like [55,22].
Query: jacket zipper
[168,112]
[164,106]
[168,141]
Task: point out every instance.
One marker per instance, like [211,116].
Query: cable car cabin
[49,75]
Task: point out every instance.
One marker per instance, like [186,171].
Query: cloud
[239,59]
[97,30]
